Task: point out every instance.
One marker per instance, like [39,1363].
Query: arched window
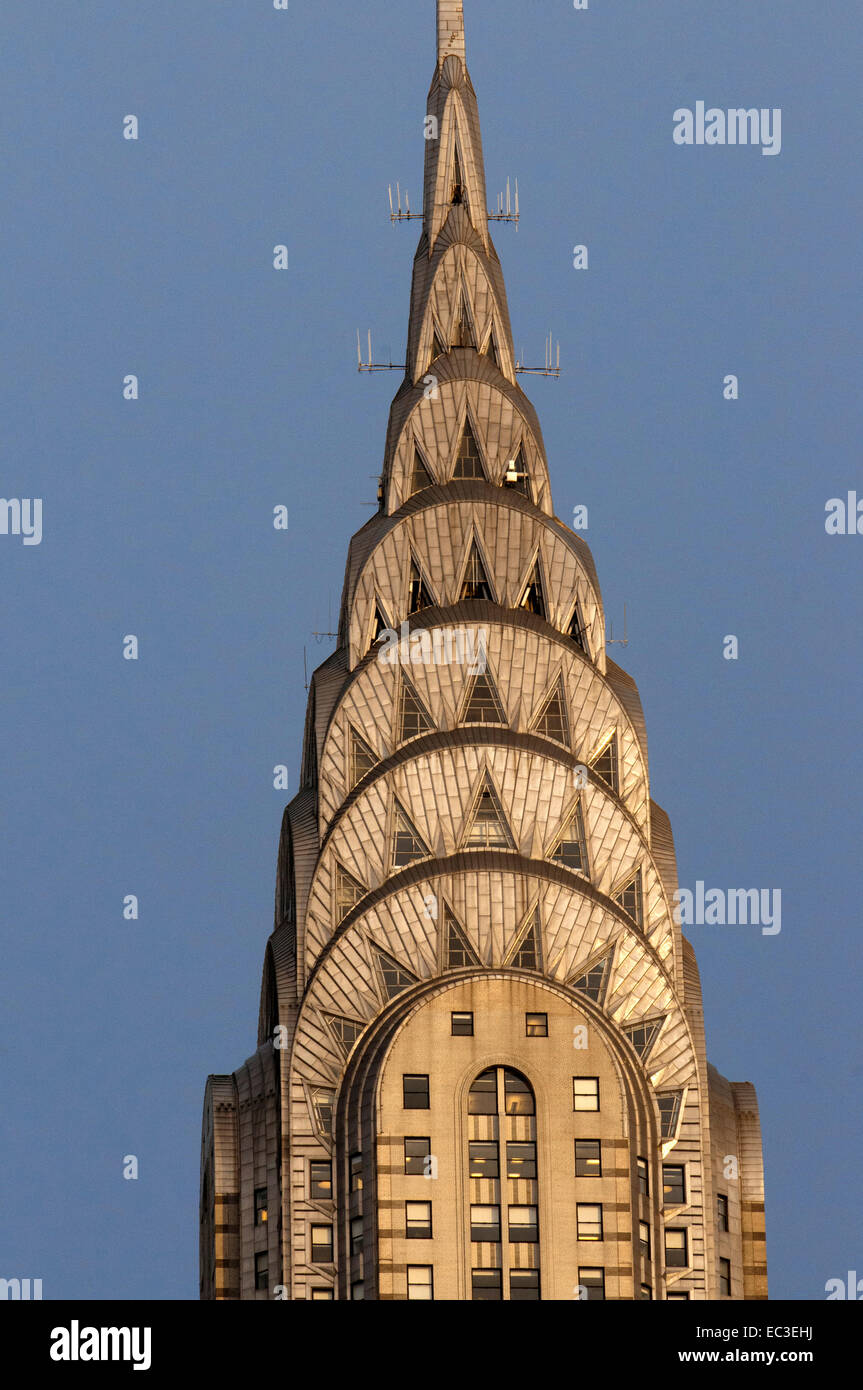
[503,1215]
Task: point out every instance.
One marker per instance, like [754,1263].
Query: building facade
[481,1070]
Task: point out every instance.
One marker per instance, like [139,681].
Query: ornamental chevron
[480,1038]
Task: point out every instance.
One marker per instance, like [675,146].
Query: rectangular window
[536,1025]
[585,1093]
[322,1245]
[676,1256]
[462,1025]
[418,1220]
[588,1158]
[589,1216]
[484,1162]
[482,1097]
[592,1282]
[644,1239]
[356,1172]
[725,1278]
[322,1295]
[643,1179]
[416,1092]
[722,1211]
[485,1223]
[524,1285]
[261,1268]
[420,1282]
[486,1286]
[646,1292]
[673,1185]
[261,1206]
[523,1225]
[677,1297]
[521,1160]
[356,1235]
[358,1291]
[417,1152]
[320,1181]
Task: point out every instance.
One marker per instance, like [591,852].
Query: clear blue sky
[706,518]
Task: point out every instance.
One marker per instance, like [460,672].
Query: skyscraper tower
[481,1069]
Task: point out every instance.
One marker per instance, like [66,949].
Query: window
[483,705]
[356,1235]
[358,1291]
[320,1181]
[413,717]
[418,1220]
[551,720]
[585,1093]
[516,469]
[482,1099]
[528,952]
[462,1025]
[261,1206]
[420,1282]
[673,1185]
[524,1285]
[605,763]
[722,1211]
[523,1225]
[356,1172]
[322,1245]
[536,1025]
[533,598]
[362,758]
[468,463]
[589,1217]
[644,1239]
[322,1295]
[570,847]
[486,1285]
[488,828]
[261,1270]
[475,583]
[643,1178]
[677,1297]
[485,1224]
[484,1161]
[416,1152]
[676,1256]
[348,892]
[592,1281]
[669,1111]
[646,1292]
[725,1278]
[521,1160]
[408,844]
[416,1092]
[588,1158]
[418,594]
[519,1096]
[459,952]
[629,898]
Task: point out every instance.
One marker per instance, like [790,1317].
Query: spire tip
[450,29]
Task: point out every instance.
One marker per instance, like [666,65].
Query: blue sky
[154,257]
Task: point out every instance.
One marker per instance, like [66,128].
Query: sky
[154,777]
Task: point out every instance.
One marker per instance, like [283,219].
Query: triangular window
[527,951]
[570,849]
[551,721]
[346,1030]
[468,463]
[483,704]
[593,982]
[362,757]
[644,1035]
[458,193]
[408,844]
[488,828]
[533,597]
[393,977]
[413,717]
[629,898]
[475,583]
[438,348]
[669,1110]
[420,477]
[459,953]
[577,630]
[463,331]
[418,595]
[491,350]
[516,474]
[348,893]
[322,1104]
[380,624]
[605,763]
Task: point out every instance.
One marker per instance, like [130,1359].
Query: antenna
[509,215]
[407,215]
[552,362]
[618,641]
[370,365]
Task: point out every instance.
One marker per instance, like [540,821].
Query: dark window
[356,1172]
[585,1093]
[524,1285]
[358,1291]
[677,1297]
[588,1158]
[676,1256]
[523,1225]
[416,1092]
[536,1025]
[521,1160]
[669,1111]
[482,1099]
[486,1285]
[673,1184]
[322,1245]
[589,1218]
[462,1025]
[644,1239]
[646,1292]
[320,1181]
[261,1270]
[261,1206]
[722,1211]
[592,1281]
[725,1278]
[485,1223]
[643,1178]
[416,1152]
[418,1220]
[356,1235]
[484,1161]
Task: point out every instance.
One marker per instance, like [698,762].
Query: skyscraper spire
[450,29]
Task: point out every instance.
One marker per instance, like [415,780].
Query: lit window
[417,1150]
[356,1235]
[261,1268]
[521,1160]
[261,1206]
[725,1278]
[722,1211]
[643,1178]
[320,1181]
[588,1158]
[673,1185]
[462,1025]
[589,1217]
[418,1220]
[416,1092]
[524,1285]
[523,1225]
[644,1239]
[536,1025]
[485,1224]
[585,1093]
[420,1282]
[592,1281]
[356,1172]
[322,1295]
[486,1285]
[676,1256]
[322,1245]
[484,1161]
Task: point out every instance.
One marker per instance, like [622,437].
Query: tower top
[450,29]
